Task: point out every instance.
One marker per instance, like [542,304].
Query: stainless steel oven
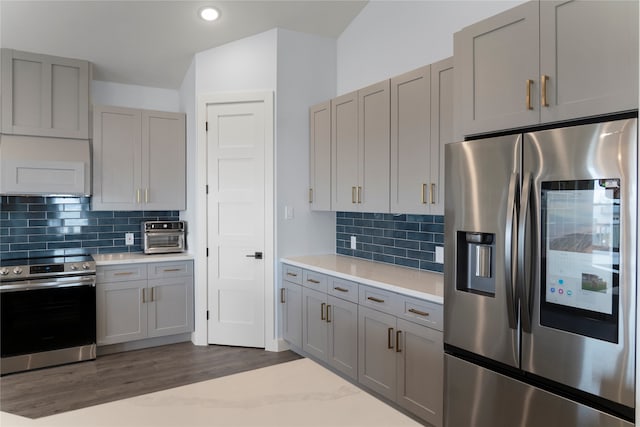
[48,312]
[161,237]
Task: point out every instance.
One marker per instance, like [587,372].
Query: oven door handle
[51,283]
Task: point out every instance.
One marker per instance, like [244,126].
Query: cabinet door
[314,323]
[342,321]
[44,95]
[163,185]
[589,51]
[441,130]
[121,311]
[410,141]
[291,302]
[376,352]
[374,148]
[320,157]
[344,152]
[170,302]
[496,63]
[116,159]
[420,371]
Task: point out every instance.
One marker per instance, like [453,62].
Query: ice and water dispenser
[476,263]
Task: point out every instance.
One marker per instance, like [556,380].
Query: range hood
[44,166]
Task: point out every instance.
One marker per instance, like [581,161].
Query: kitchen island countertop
[138,257]
[421,284]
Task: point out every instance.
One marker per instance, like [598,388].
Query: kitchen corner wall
[54,226]
[407,240]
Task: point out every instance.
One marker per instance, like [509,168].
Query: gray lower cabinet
[138,301]
[377,356]
[291,300]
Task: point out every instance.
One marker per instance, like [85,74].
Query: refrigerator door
[478,397]
[481,187]
[579,293]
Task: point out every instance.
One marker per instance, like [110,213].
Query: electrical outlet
[128,239]
[439,255]
[353,242]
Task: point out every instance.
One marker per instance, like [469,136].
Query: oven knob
[85,266]
[74,267]
[17,270]
[4,272]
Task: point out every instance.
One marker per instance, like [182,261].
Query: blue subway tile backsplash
[53,226]
[407,240]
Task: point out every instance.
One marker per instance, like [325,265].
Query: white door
[236,218]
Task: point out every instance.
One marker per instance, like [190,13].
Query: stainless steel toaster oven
[162,237]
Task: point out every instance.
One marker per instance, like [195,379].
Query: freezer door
[481,187]
[478,397]
[579,290]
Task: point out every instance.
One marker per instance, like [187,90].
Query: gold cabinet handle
[398,349]
[292,274]
[282,295]
[144,295]
[528,97]
[146,195]
[311,195]
[543,90]
[125,273]
[138,196]
[328,313]
[389,335]
[422,192]
[322,306]
[418,312]
[153,294]
[374,299]
[338,288]
[432,193]
[169,270]
[313,281]
[359,194]
[353,194]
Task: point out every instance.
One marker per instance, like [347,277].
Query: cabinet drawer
[343,289]
[379,299]
[313,280]
[292,274]
[422,312]
[121,273]
[170,269]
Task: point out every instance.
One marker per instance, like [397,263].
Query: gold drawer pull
[328,313]
[359,194]
[313,281]
[374,299]
[421,313]
[422,198]
[528,96]
[126,273]
[168,270]
[353,194]
[432,193]
[543,90]
[292,274]
[338,288]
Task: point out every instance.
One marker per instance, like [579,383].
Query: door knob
[256,255]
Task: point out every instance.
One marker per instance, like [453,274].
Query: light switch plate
[128,239]
[439,255]
[288,212]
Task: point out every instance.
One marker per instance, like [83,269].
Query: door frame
[198,241]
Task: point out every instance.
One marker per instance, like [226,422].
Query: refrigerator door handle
[522,277]
[508,251]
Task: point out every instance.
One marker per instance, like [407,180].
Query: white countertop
[408,281]
[138,257]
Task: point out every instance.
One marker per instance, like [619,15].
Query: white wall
[134,96]
[391,37]
[306,76]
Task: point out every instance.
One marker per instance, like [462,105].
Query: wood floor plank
[50,391]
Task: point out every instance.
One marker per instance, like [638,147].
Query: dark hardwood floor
[50,391]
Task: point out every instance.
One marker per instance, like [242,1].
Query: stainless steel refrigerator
[540,278]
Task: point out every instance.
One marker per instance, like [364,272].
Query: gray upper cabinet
[589,55]
[496,62]
[44,95]
[421,123]
[547,61]
[139,159]
[320,157]
[344,152]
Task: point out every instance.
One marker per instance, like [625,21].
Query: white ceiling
[152,43]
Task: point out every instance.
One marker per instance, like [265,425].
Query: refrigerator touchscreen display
[580,243]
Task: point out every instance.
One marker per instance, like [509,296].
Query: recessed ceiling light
[209,13]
